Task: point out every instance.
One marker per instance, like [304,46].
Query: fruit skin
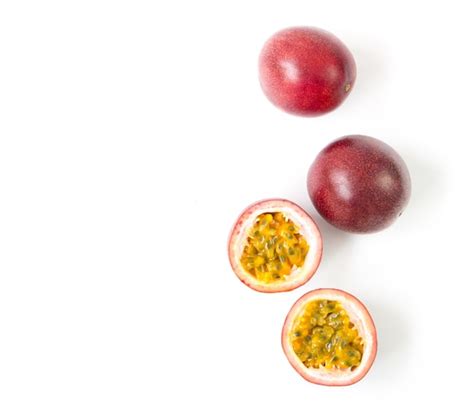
[309,228]
[359,184]
[306,71]
[359,315]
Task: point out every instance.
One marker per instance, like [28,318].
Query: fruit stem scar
[347,87]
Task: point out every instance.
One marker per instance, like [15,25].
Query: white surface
[131,136]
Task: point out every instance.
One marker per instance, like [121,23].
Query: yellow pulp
[274,248]
[323,336]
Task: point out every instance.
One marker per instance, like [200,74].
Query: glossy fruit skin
[362,319]
[306,71]
[359,184]
[308,227]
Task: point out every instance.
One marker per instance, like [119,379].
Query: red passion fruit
[329,338]
[274,246]
[359,184]
[306,71]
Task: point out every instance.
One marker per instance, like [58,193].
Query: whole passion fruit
[274,246]
[306,71]
[329,338]
[359,184]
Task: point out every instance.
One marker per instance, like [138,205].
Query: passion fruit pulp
[359,184]
[329,338]
[274,246]
[306,70]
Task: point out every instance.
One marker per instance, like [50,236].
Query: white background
[132,133]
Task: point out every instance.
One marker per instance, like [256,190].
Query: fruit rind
[308,228]
[361,319]
[326,64]
[359,184]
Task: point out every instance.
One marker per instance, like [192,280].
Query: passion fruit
[329,337]
[274,246]
[306,71]
[359,184]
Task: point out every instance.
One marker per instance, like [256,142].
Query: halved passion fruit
[329,337]
[274,246]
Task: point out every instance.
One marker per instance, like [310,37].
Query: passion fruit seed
[323,336]
[274,248]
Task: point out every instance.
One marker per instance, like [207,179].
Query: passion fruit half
[274,246]
[329,338]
